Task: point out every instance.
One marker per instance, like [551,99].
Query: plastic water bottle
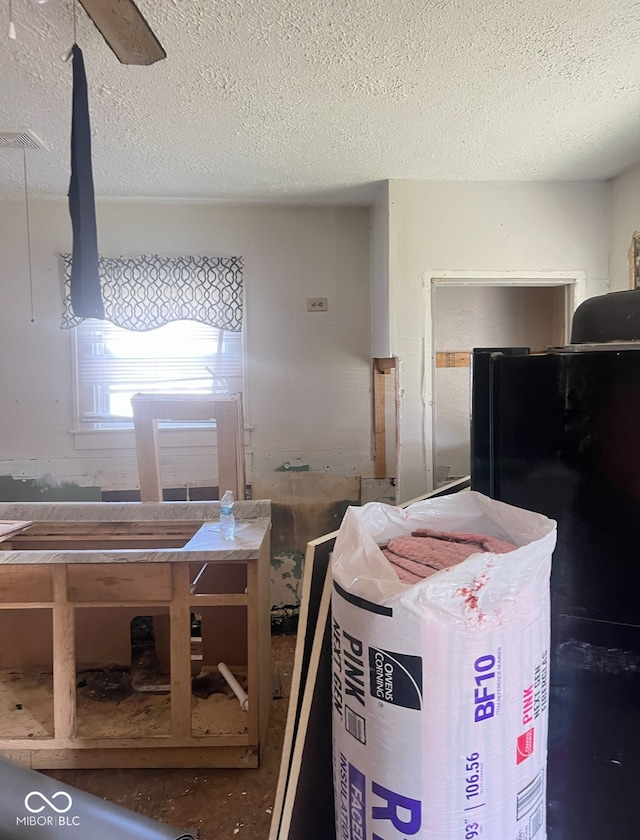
[227,519]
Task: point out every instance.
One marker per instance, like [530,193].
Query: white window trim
[194,437]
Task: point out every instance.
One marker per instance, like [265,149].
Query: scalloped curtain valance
[142,293]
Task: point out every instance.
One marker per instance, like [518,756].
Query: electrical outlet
[317,305]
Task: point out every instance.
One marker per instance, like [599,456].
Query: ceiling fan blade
[125,30]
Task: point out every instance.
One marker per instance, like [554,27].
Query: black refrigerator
[559,433]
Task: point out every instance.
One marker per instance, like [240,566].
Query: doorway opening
[488,310]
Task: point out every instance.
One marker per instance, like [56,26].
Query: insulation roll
[440,687]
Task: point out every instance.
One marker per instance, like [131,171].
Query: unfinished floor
[216,803]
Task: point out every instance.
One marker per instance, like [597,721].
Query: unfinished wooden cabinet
[71,581]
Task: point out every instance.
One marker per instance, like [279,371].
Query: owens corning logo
[525,745]
[396,678]
[29,798]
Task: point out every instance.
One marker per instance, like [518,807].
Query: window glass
[183,357]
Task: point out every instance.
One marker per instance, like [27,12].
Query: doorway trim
[574,283]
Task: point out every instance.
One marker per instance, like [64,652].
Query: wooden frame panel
[25,584]
[381,369]
[308,800]
[118,582]
[313,617]
[180,653]
[64,659]
[226,411]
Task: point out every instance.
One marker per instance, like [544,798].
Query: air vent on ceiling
[20,140]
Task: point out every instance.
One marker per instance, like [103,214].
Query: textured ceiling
[315,100]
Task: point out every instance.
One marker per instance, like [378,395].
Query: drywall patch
[304,506]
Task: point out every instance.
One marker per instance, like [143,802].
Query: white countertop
[206,545]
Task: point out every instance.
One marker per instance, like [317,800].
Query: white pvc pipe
[235,686]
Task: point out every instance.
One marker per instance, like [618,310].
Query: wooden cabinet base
[71,582]
[156,757]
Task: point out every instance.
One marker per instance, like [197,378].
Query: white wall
[380,342]
[625,220]
[308,374]
[436,226]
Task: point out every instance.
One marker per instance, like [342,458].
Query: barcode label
[529,797]
[355,725]
[536,820]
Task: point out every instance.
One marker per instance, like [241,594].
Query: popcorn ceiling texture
[315,100]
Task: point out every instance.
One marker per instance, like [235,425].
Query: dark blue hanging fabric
[86,298]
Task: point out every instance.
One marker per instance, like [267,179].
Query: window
[181,357]
[172,326]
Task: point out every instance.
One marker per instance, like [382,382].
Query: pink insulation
[426,552]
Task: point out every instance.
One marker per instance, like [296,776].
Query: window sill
[192,437]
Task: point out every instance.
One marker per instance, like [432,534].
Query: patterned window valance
[142,293]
